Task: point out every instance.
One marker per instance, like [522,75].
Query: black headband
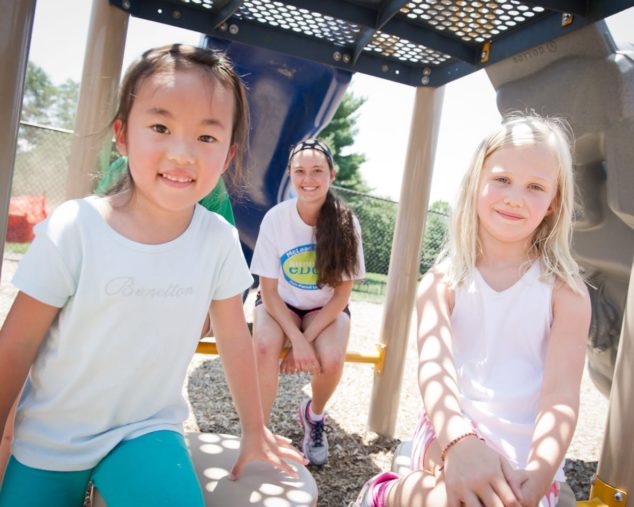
[312,144]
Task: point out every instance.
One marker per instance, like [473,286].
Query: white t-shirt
[112,365]
[285,250]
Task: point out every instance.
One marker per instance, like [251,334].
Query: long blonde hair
[551,241]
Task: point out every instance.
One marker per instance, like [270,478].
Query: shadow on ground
[352,455]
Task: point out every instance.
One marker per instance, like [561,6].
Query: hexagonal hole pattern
[205,4]
[404,50]
[471,20]
[299,20]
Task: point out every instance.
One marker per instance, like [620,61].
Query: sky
[58,41]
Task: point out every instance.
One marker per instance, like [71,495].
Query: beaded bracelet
[443,454]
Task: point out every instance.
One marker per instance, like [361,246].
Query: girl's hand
[304,356]
[532,487]
[288,365]
[476,475]
[272,449]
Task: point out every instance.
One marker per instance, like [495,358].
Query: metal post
[405,258]
[97,96]
[16,24]
[616,466]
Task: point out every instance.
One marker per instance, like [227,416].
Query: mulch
[356,453]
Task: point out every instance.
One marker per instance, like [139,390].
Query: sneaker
[315,443]
[371,494]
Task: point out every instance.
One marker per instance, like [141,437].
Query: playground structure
[535,57]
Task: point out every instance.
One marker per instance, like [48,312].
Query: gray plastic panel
[585,79]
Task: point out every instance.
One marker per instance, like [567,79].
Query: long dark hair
[335,232]
[337,242]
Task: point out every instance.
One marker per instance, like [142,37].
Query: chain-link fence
[377,217]
[39,180]
[41,163]
[41,170]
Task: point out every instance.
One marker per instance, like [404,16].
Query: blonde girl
[113,294]
[502,327]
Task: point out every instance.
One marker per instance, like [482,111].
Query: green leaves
[45,103]
[339,134]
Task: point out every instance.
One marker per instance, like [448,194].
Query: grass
[371,289]
[16,248]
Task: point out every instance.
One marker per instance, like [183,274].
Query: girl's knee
[267,346]
[331,362]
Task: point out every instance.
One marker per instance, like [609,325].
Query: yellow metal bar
[603,494]
[377,358]
[206,347]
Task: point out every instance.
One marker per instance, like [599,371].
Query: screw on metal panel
[567,19]
[126,5]
[425,80]
[426,71]
[234,29]
[176,14]
[223,27]
[346,58]
[336,56]
[618,496]
[385,67]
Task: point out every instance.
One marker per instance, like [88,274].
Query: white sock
[312,415]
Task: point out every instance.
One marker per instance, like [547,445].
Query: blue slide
[290,99]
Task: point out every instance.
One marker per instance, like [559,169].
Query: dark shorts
[298,311]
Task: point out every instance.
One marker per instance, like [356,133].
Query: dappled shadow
[353,455]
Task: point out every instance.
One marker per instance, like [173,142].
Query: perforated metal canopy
[416,42]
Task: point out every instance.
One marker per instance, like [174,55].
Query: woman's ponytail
[337,242]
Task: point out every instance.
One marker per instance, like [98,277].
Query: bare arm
[206,330]
[7,439]
[330,311]
[303,353]
[20,338]
[277,309]
[559,399]
[473,472]
[436,371]
[236,350]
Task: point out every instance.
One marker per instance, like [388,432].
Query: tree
[65,105]
[47,104]
[42,153]
[39,95]
[339,134]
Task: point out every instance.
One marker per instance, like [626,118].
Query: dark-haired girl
[307,255]
[113,294]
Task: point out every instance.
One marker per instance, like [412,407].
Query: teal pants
[154,469]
